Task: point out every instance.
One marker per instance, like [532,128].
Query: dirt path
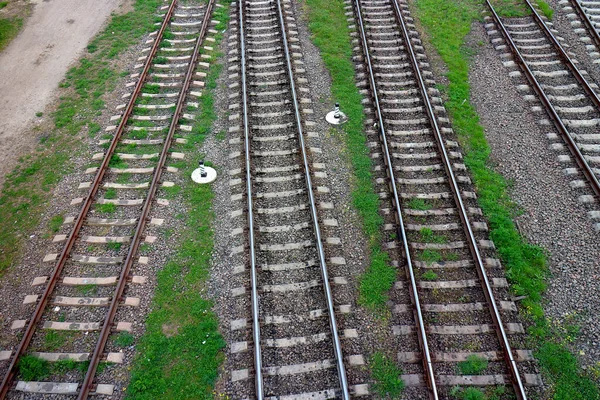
[36,61]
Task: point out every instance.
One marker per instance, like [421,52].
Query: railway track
[589,15]
[292,337]
[453,305]
[566,94]
[92,273]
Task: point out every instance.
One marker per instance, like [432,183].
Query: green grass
[124,339]
[511,8]
[3,4]
[429,276]
[9,27]
[55,223]
[33,368]
[27,189]
[386,376]
[473,365]
[180,354]
[419,204]
[330,33]
[545,8]
[447,24]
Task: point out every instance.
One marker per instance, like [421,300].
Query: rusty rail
[109,321]
[64,255]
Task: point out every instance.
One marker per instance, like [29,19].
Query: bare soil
[31,67]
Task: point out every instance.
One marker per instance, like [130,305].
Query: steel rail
[253,275]
[563,54]
[323,266]
[587,22]
[472,242]
[133,249]
[313,208]
[560,126]
[462,212]
[422,334]
[66,252]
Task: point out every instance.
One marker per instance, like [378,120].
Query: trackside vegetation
[181,351]
[29,186]
[447,23]
[330,33]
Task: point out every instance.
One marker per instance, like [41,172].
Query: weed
[53,340]
[63,366]
[55,223]
[545,9]
[430,256]
[110,194]
[469,393]
[116,246]
[3,4]
[428,236]
[160,60]
[429,276]
[419,204]
[33,368]
[106,208]
[140,135]
[124,339]
[88,290]
[144,248]
[39,114]
[386,375]
[473,365]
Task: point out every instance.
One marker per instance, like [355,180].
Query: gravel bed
[552,217]
[17,282]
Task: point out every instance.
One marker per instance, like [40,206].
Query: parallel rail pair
[382,126]
[252,133]
[549,105]
[80,221]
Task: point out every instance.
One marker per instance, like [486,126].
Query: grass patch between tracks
[28,188]
[447,23]
[330,33]
[180,354]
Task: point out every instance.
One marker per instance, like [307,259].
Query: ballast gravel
[552,217]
